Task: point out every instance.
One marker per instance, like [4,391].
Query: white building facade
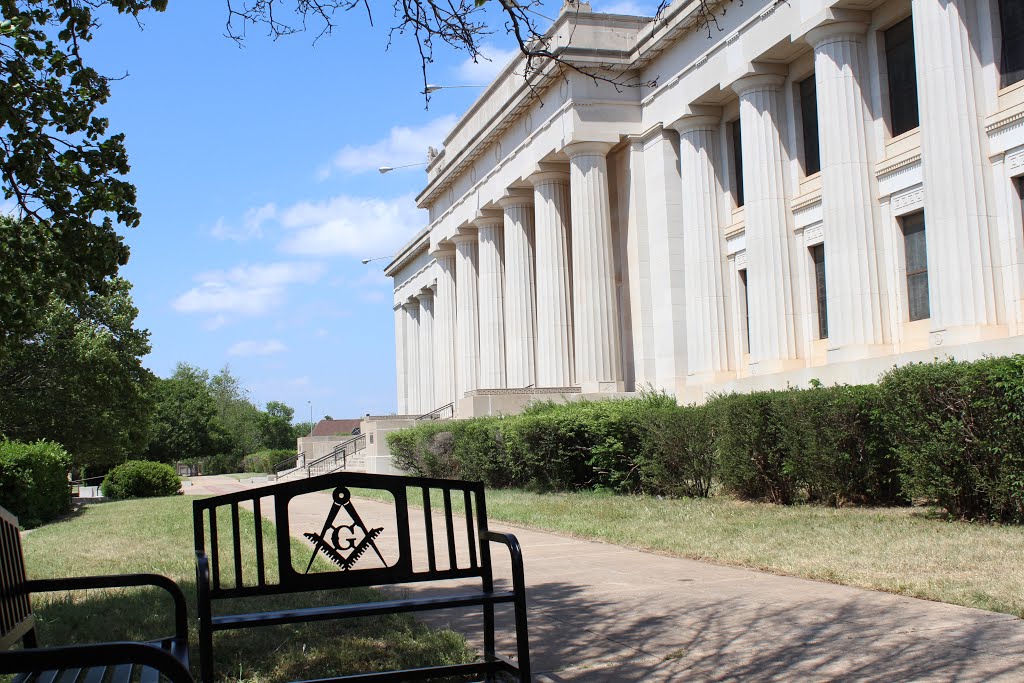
[809,189]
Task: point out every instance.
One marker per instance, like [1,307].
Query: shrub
[224,463]
[141,479]
[958,430]
[34,481]
[752,446]
[264,461]
[680,454]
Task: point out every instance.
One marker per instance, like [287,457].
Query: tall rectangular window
[917,266]
[818,256]
[745,313]
[737,161]
[902,71]
[809,119]
[1011,22]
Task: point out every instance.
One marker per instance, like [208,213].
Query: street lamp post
[310,417]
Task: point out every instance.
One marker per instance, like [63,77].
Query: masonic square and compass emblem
[343,544]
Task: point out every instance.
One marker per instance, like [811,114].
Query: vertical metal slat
[450,528]
[261,574]
[470,533]
[428,521]
[236,535]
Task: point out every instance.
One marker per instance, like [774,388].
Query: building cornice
[420,242]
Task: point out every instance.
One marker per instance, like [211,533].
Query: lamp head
[385,169]
[432,88]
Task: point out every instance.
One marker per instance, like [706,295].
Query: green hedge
[958,430]
[948,433]
[264,461]
[141,479]
[34,481]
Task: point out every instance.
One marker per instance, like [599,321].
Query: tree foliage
[58,162]
[185,421]
[78,378]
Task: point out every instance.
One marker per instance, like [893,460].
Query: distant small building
[325,436]
[336,427]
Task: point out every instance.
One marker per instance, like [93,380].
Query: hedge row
[34,481]
[949,432]
[141,479]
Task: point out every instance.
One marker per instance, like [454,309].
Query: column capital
[443,250]
[758,82]
[590,149]
[489,218]
[425,293]
[516,197]
[411,303]
[693,122]
[466,233]
[542,177]
[852,31]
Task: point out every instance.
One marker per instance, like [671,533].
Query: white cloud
[486,67]
[252,224]
[244,290]
[363,227]
[404,145]
[257,348]
[629,7]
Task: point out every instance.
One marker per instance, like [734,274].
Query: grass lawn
[898,550]
[155,535]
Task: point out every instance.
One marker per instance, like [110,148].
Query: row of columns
[525,299]
[528,296]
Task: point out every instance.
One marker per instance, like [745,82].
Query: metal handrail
[329,462]
[293,459]
[445,412]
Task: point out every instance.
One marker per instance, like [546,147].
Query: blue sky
[257,182]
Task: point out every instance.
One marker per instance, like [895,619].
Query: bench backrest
[358,542]
[16,619]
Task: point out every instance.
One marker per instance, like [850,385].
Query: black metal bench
[373,547]
[117,662]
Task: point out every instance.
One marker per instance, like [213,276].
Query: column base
[850,352]
[965,334]
[773,365]
[695,389]
[602,387]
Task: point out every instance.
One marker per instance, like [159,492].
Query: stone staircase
[349,456]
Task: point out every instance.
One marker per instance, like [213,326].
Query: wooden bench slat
[122,673]
[237,621]
[47,676]
[95,674]
[69,675]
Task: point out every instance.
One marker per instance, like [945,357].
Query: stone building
[804,189]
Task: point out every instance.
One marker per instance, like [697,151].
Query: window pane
[1011,19]
[737,161]
[809,118]
[818,254]
[746,309]
[915,248]
[899,60]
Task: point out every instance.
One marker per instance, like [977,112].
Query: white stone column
[707,342]
[444,328]
[773,339]
[665,242]
[638,255]
[490,234]
[853,280]
[595,318]
[520,291]
[412,355]
[467,311]
[555,366]
[958,205]
[400,361]
[426,350]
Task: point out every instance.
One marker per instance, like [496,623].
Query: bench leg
[522,638]
[489,645]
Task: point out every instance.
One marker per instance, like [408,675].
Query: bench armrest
[84,656]
[514,550]
[119,581]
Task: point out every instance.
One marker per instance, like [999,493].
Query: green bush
[753,445]
[680,454]
[141,479]
[958,430]
[224,463]
[264,461]
[34,481]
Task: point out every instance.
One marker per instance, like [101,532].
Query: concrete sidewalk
[600,612]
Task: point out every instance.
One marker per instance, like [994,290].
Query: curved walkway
[600,612]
